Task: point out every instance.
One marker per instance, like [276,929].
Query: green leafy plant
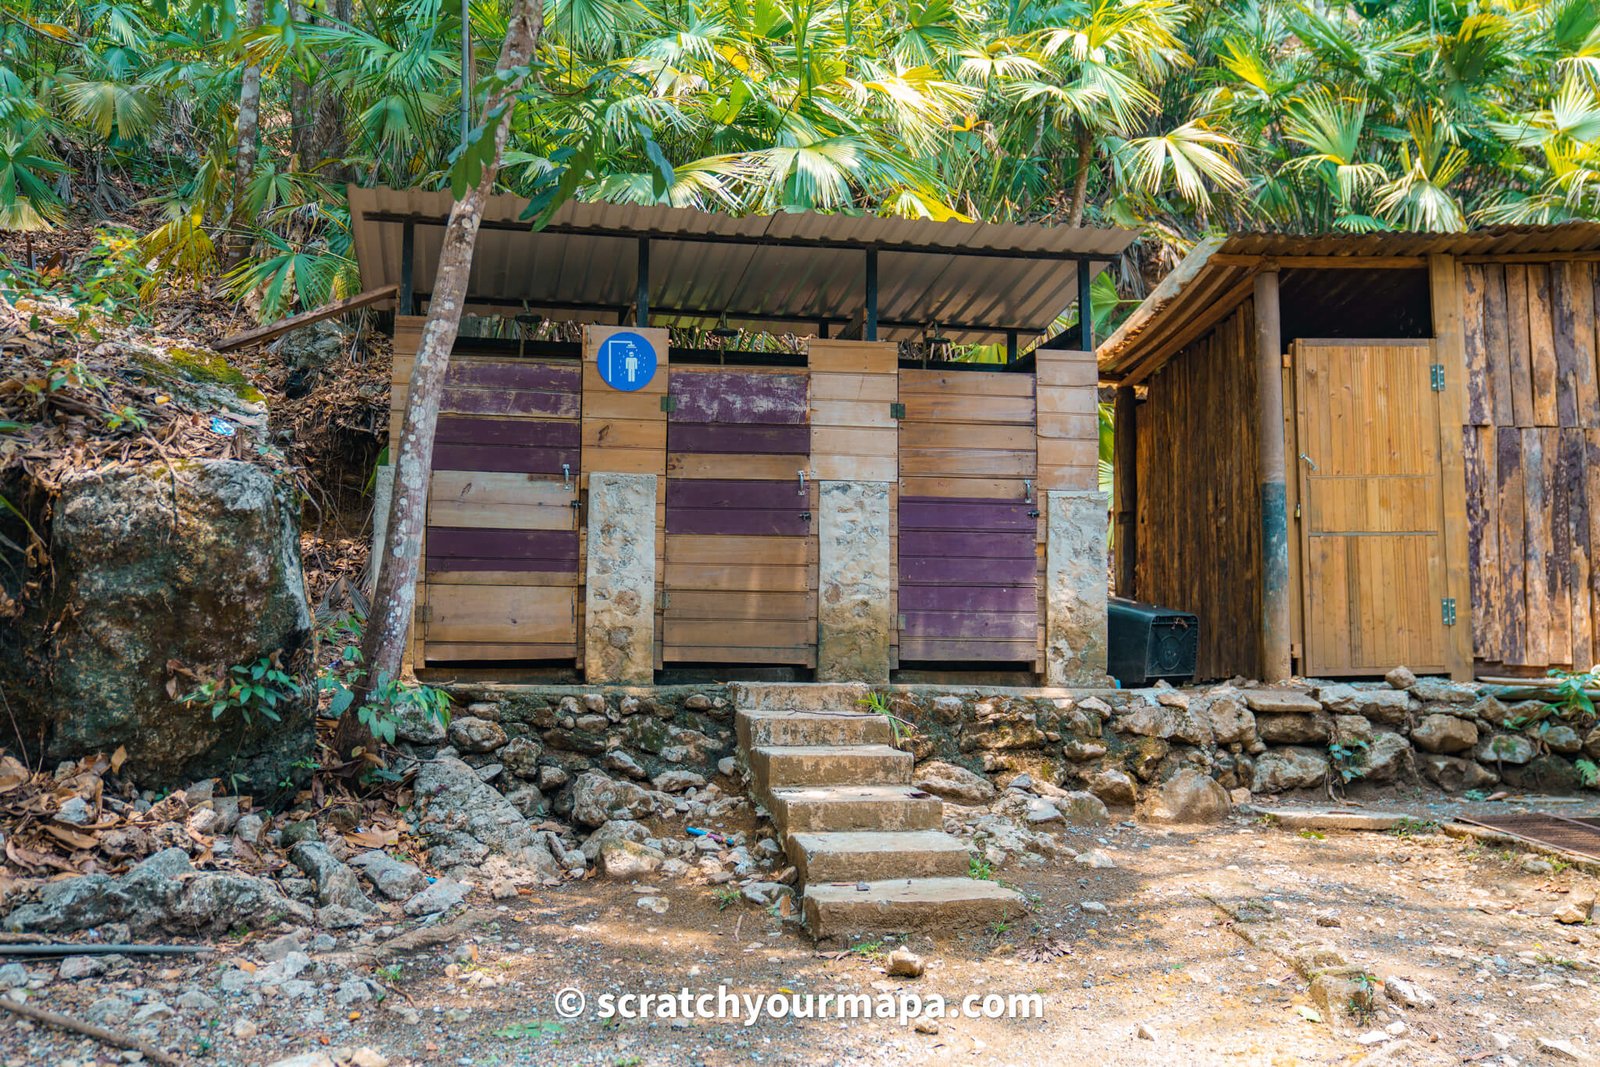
[1348,759]
[1409,827]
[726,897]
[1588,772]
[538,1028]
[386,700]
[247,690]
[980,869]
[1569,698]
[875,703]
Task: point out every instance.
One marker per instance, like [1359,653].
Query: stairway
[868,846]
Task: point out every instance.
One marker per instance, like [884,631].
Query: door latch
[802,477]
[1309,461]
[566,476]
[1027,490]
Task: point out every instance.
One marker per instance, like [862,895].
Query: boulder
[520,757]
[612,832]
[198,565]
[1444,733]
[1116,787]
[1295,729]
[1562,738]
[1505,749]
[1401,678]
[336,884]
[1168,722]
[1281,701]
[391,877]
[1188,797]
[1380,705]
[1545,774]
[597,799]
[1443,691]
[464,821]
[1081,808]
[1230,720]
[950,782]
[1284,769]
[470,734]
[1454,774]
[1385,756]
[629,859]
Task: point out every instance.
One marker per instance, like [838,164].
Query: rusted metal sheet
[1581,837]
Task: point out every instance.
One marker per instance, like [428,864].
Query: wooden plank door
[1371,499]
[969,527]
[501,552]
[741,562]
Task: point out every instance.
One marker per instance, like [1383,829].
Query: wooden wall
[1532,457]
[1198,519]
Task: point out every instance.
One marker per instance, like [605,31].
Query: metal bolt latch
[566,476]
[802,476]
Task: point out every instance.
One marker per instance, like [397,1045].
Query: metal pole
[466,70]
[1085,307]
[408,249]
[641,301]
[1011,346]
[870,327]
[1271,475]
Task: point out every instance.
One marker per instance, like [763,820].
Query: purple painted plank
[935,513]
[982,624]
[508,459]
[538,433]
[943,649]
[456,564]
[940,571]
[512,402]
[474,542]
[713,437]
[731,396]
[984,545]
[737,494]
[757,522]
[540,377]
[1022,598]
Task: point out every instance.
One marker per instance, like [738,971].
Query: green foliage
[1588,772]
[537,1028]
[980,869]
[875,703]
[1569,698]
[726,896]
[1409,827]
[1348,759]
[247,690]
[385,699]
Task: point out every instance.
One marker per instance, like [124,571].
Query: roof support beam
[641,301]
[870,328]
[1085,311]
[408,269]
[1271,475]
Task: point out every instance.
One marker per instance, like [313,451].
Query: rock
[13,976]
[1545,774]
[469,734]
[305,1059]
[1352,730]
[280,947]
[615,830]
[1115,787]
[155,1011]
[1295,729]
[197,1001]
[903,963]
[75,811]
[296,832]
[727,766]
[1407,994]
[950,782]
[1081,808]
[336,884]
[1560,1049]
[1401,678]
[1563,739]
[1094,907]
[765,893]
[366,1057]
[442,895]
[75,967]
[529,802]
[597,799]
[1385,756]
[147,569]
[464,821]
[677,781]
[1505,748]
[629,859]
[1444,733]
[1284,769]
[1188,797]
[520,757]
[656,904]
[620,762]
[391,877]
[1281,702]
[1038,811]
[356,991]
[1574,912]
[1095,860]
[1145,1032]
[1454,774]
[1230,720]
[1442,691]
[1167,722]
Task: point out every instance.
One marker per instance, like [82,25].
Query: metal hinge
[1447,610]
[900,622]
[669,403]
[1436,377]
[897,411]
[663,598]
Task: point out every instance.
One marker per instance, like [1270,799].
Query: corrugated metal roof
[1215,278]
[783,272]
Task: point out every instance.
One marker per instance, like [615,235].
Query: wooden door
[501,556]
[969,530]
[741,562]
[1372,511]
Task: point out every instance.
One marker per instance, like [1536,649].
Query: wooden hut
[1347,453]
[840,508]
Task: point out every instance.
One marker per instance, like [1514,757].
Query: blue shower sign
[627,361]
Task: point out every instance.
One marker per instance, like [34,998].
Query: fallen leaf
[118,758]
[71,838]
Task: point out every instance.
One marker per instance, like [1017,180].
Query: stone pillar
[619,611]
[1075,588]
[853,576]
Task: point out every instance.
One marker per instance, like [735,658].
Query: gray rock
[1284,769]
[1444,733]
[75,811]
[1281,702]
[1505,749]
[1082,808]
[1295,729]
[1563,739]
[13,976]
[951,782]
[678,781]
[597,799]
[1401,678]
[1187,797]
[1038,810]
[389,876]
[1116,787]
[356,991]
[75,967]
[1443,691]
[629,859]
[1380,705]
[1544,774]
[1167,722]
[248,829]
[148,569]
[1230,720]
[615,830]
[1385,756]
[619,762]
[1453,774]
[521,757]
[465,821]
[442,895]
[475,735]
[336,884]
[528,801]
[1352,730]
[197,1001]
[552,778]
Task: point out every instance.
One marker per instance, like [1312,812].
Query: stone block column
[619,608]
[853,574]
[1075,588]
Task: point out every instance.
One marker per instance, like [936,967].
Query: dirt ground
[1161,975]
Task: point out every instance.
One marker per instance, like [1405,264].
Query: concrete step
[823,808]
[776,766]
[811,728]
[798,696]
[872,855]
[907,904]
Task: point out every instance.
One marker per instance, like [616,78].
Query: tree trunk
[1080,183]
[327,139]
[248,128]
[300,120]
[384,643]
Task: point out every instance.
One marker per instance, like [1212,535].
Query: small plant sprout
[875,703]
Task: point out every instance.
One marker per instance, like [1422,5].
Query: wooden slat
[793,633]
[736,607]
[764,551]
[701,465]
[1580,577]
[748,577]
[1542,346]
[1572,289]
[1511,530]
[519,614]
[915,382]
[1449,350]
[1480,384]
[1536,548]
[305,318]
[1519,361]
[447,652]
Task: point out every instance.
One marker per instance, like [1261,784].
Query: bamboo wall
[1198,518]
[1532,452]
